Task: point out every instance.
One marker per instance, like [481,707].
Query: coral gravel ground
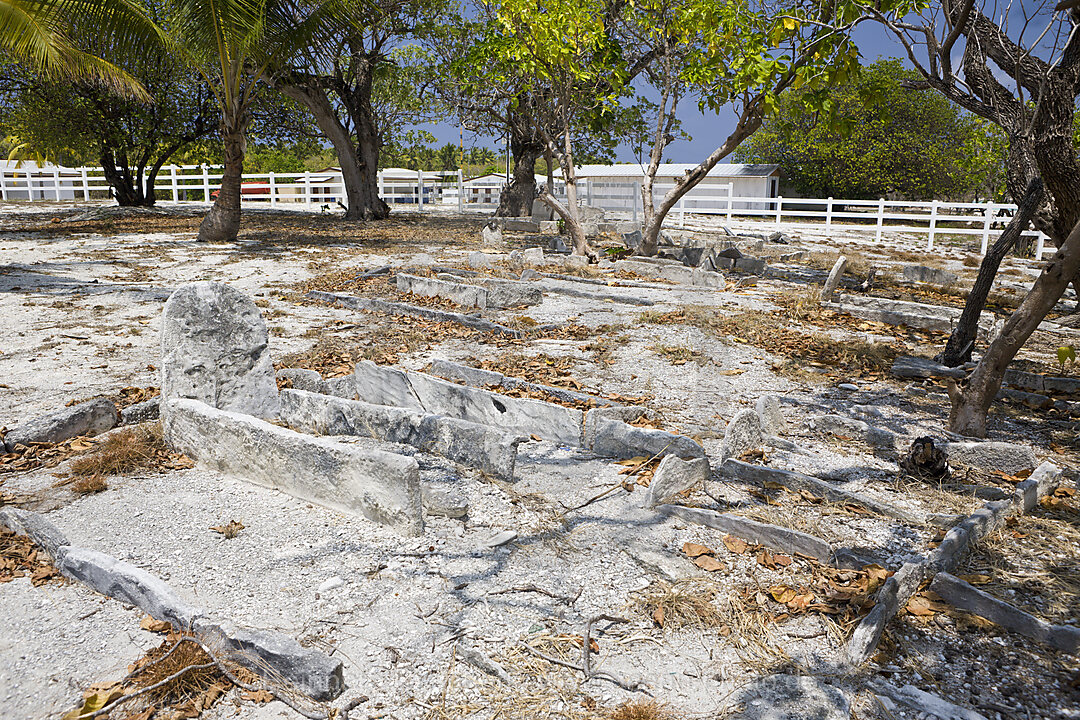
[81,291]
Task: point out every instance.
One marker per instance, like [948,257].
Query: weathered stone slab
[34,525]
[791,697]
[443,501]
[992,455]
[491,235]
[742,434]
[511,294]
[142,412]
[300,379]
[774,536]
[533,257]
[380,486]
[893,595]
[214,349]
[797,481]
[908,366]
[751,265]
[935,318]
[468,443]
[924,703]
[621,413]
[127,583]
[390,386]
[1028,382]
[613,438]
[406,310]
[343,387]
[673,476]
[1045,479]
[88,418]
[272,654]
[770,415]
[455,292]
[851,428]
[928,275]
[487,378]
[960,594]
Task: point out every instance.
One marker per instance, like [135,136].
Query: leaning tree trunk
[125,189]
[972,402]
[958,348]
[223,221]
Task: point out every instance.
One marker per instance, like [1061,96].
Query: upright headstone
[491,235]
[215,349]
[833,281]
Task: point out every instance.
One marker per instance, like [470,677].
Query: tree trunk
[962,341]
[223,221]
[517,199]
[360,162]
[972,402]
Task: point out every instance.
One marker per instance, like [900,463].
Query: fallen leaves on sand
[19,557]
[229,530]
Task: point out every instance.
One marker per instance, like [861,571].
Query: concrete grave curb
[87,418]
[378,485]
[269,654]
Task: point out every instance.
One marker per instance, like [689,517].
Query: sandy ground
[81,300]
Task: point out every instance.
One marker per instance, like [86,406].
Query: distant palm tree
[37,32]
[231,43]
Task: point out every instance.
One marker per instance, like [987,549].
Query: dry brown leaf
[693,550]
[257,696]
[230,530]
[782,593]
[153,625]
[735,545]
[658,615]
[709,563]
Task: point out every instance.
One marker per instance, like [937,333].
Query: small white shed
[618,187]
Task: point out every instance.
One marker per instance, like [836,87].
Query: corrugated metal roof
[635,170]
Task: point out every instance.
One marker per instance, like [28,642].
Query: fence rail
[425,189]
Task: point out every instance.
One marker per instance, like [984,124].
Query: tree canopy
[874,137]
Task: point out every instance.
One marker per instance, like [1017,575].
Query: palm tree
[231,44]
[37,32]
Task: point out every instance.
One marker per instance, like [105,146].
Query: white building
[618,187]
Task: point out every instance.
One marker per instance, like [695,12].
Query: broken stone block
[343,387]
[792,697]
[87,418]
[443,501]
[1045,478]
[931,276]
[751,265]
[491,235]
[730,252]
[142,412]
[639,267]
[743,434]
[856,429]
[525,416]
[707,278]
[479,261]
[511,294]
[1007,457]
[632,239]
[772,419]
[673,476]
[214,349]
[34,525]
[626,414]
[380,486]
[468,443]
[477,377]
[533,256]
[300,379]
[127,583]
[272,654]
[677,273]
[458,293]
[541,211]
[616,439]
[833,282]
[773,536]
[908,366]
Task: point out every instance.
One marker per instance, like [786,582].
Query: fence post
[420,191]
[29,186]
[460,192]
[986,226]
[730,192]
[56,182]
[779,209]
[880,217]
[307,187]
[828,216]
[682,211]
[933,225]
[206,182]
[273,191]
[1039,246]
[3,184]
[382,192]
[634,201]
[172,181]
[85,184]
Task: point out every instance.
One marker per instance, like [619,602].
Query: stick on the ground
[564,599]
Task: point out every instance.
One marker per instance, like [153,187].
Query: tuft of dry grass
[90,484]
[120,452]
[643,710]
[678,354]
[687,603]
[195,682]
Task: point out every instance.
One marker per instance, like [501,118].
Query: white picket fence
[422,190]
